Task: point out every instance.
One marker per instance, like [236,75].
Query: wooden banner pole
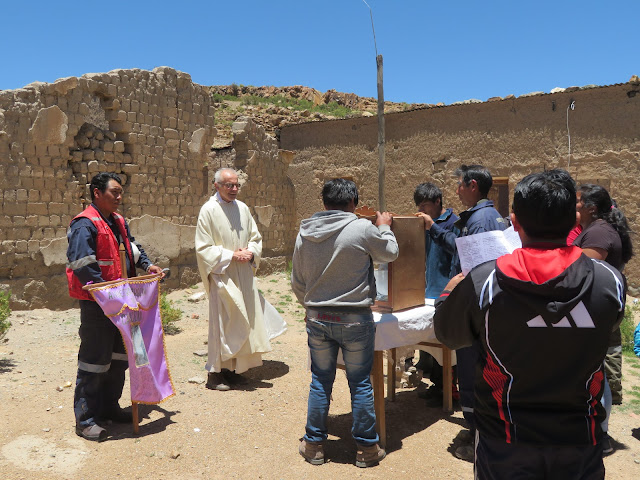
[123,269]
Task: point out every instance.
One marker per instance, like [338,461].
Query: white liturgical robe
[238,334]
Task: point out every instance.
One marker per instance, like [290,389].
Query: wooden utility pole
[382,204]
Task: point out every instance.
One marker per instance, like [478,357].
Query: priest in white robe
[228,248]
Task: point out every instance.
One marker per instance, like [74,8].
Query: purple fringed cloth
[133,306]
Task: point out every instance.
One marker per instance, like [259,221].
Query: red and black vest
[107,253]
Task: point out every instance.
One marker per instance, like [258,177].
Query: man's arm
[381,241]
[446,239]
[298,284]
[212,258]
[457,313]
[255,242]
[81,252]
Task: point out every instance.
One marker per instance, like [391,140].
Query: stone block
[88,155]
[116,115]
[118,146]
[37,208]
[22,246]
[50,126]
[121,126]
[33,246]
[111,104]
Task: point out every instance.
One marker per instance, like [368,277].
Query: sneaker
[216,381]
[312,452]
[466,436]
[465,452]
[368,456]
[117,415]
[93,432]
[607,447]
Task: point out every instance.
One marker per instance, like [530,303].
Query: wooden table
[403,329]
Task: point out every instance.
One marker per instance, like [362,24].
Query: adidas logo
[579,315]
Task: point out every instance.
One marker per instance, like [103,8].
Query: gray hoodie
[332,259]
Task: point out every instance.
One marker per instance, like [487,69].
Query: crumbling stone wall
[511,136]
[266,188]
[153,128]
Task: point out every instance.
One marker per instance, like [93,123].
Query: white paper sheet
[482,247]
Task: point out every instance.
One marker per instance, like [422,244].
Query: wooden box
[406,275]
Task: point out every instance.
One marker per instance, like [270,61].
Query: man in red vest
[93,256]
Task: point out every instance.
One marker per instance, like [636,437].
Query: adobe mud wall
[153,128]
[512,136]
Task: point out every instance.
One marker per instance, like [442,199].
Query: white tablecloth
[404,329]
[408,328]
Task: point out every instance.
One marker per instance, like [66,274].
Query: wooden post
[392,358]
[382,204]
[447,398]
[123,270]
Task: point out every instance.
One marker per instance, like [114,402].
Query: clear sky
[434,51]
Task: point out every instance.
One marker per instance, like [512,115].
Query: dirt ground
[249,433]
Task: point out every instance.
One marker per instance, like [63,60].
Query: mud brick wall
[511,136]
[153,128]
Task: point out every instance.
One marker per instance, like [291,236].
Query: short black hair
[480,174]
[427,192]
[544,204]
[338,193]
[101,180]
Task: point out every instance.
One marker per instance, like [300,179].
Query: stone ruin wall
[512,136]
[153,128]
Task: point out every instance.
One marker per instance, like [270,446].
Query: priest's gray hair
[218,175]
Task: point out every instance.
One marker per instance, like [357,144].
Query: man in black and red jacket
[93,256]
[543,316]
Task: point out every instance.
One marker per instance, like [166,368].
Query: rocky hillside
[274,107]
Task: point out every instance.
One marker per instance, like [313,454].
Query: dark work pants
[497,460]
[468,359]
[101,365]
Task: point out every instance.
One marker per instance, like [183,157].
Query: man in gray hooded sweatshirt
[332,277]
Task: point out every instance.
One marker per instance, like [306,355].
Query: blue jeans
[357,342]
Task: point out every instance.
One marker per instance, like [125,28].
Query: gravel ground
[251,432]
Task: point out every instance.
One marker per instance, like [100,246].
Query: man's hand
[454,282]
[242,255]
[384,218]
[428,221]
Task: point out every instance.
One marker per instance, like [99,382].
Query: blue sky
[433,51]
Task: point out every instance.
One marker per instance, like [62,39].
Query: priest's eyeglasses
[230,186]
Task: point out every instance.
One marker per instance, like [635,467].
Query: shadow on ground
[257,377]
[6,365]
[406,416]
[121,431]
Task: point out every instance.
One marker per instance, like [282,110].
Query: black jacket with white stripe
[543,316]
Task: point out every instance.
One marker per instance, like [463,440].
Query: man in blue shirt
[428,199]
[474,183]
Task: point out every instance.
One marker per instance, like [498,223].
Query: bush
[170,315]
[5,312]
[628,326]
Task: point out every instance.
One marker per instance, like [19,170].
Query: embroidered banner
[132,305]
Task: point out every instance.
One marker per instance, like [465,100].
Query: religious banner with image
[133,306]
